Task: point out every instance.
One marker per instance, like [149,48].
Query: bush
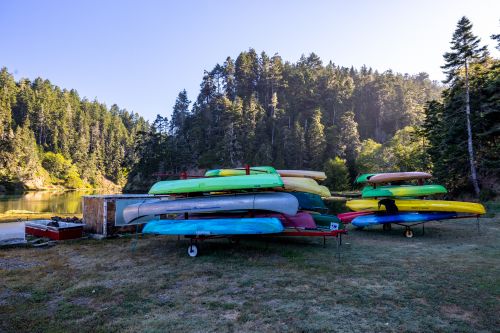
[62,170]
[337,174]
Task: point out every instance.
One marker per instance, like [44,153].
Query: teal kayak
[217,184]
[215,227]
[402,191]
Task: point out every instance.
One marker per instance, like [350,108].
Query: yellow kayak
[414,205]
[297,184]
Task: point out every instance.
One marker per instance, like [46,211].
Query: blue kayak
[373,219]
[215,227]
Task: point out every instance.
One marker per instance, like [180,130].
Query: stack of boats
[231,202]
[398,198]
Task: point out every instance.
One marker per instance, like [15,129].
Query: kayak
[301,220]
[240,171]
[326,220]
[379,178]
[373,219]
[276,202]
[214,227]
[398,176]
[364,178]
[401,191]
[317,175]
[214,184]
[310,201]
[348,217]
[417,205]
[297,184]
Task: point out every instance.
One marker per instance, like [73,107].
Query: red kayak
[349,216]
[300,220]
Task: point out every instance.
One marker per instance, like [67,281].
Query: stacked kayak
[235,202]
[395,198]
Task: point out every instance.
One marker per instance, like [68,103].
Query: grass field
[447,280]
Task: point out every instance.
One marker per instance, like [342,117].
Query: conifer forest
[261,109]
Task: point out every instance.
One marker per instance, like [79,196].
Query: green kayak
[402,191]
[240,171]
[325,220]
[364,178]
[217,184]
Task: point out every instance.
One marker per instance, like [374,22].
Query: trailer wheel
[408,233]
[192,250]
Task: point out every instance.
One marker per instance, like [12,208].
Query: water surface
[62,202]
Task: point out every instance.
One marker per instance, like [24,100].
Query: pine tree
[465,49]
[315,141]
[180,112]
[348,141]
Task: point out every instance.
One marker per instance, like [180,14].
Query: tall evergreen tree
[465,49]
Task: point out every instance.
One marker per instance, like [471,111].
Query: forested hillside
[50,137]
[262,110]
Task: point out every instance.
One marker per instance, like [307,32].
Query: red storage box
[54,230]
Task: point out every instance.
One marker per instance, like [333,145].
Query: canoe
[259,170]
[214,184]
[214,227]
[373,219]
[301,220]
[417,205]
[401,191]
[310,201]
[317,175]
[276,202]
[309,185]
[398,176]
[349,216]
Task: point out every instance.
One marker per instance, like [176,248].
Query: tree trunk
[469,133]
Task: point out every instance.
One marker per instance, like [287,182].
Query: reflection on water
[69,202]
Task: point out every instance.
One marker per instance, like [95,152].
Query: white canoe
[275,202]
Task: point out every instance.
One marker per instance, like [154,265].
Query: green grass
[447,280]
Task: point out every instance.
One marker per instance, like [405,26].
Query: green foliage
[62,171]
[40,116]
[406,151]
[337,174]
[262,110]
[370,157]
[462,128]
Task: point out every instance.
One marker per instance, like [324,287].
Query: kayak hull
[214,184]
[301,220]
[240,171]
[417,205]
[214,227]
[276,202]
[348,217]
[310,201]
[398,176]
[317,175]
[308,185]
[374,219]
[401,191]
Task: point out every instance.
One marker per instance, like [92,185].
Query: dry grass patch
[446,280]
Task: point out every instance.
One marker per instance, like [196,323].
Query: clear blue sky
[140,54]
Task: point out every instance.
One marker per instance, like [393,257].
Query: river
[57,202]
